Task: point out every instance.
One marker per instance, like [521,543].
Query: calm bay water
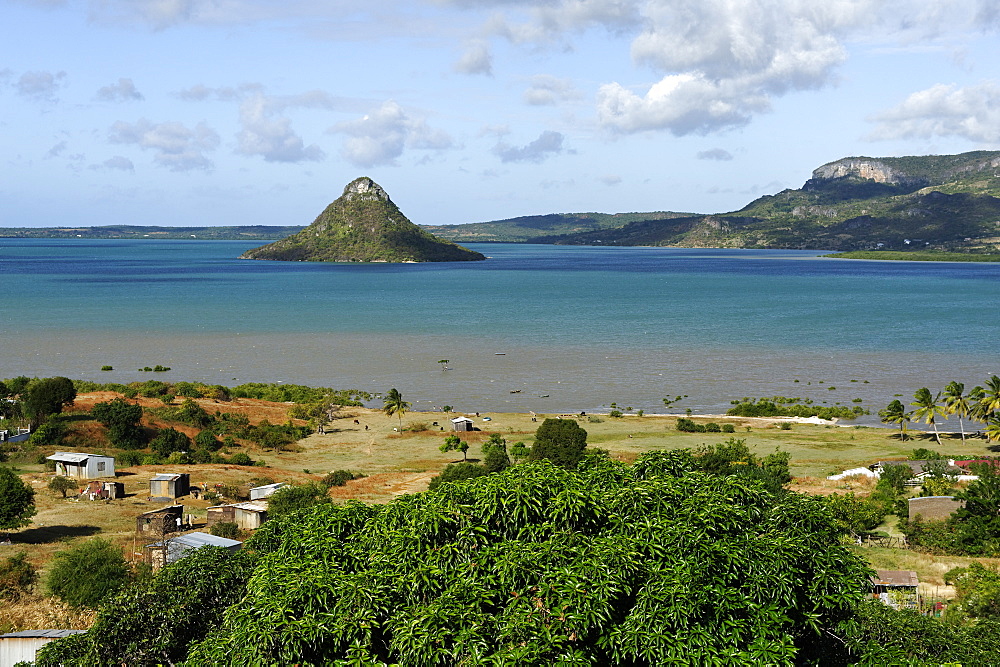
[569,328]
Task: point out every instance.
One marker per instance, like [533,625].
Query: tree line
[981,404]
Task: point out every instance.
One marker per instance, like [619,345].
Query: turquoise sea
[568,328]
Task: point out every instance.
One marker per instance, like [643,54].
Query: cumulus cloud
[547,144]
[40,86]
[972,113]
[268,133]
[549,90]
[477,59]
[719,154]
[381,136]
[123,91]
[177,147]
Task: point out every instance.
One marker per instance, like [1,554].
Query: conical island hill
[363,225]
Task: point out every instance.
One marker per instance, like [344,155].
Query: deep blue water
[624,324]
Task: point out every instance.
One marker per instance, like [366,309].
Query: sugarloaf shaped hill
[363,225]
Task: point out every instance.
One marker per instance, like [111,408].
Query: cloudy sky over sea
[214,112]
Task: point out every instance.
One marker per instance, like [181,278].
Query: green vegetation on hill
[539,228]
[949,202]
[363,225]
[924,256]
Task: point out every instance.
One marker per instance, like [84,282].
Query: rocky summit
[363,225]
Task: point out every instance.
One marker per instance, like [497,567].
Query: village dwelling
[77,465]
[896,588]
[919,470]
[462,424]
[22,646]
[157,523]
[168,486]
[261,492]
[173,549]
[104,490]
[248,516]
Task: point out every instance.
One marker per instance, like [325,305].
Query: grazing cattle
[356,421]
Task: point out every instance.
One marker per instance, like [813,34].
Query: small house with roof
[462,424]
[248,516]
[157,523]
[897,588]
[261,492]
[17,647]
[173,549]
[80,465]
[168,486]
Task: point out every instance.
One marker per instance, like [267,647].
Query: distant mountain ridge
[531,227]
[231,233]
[947,202]
[363,225]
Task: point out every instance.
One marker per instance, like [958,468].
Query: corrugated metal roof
[205,540]
[165,477]
[31,634]
[69,457]
[896,578]
[276,485]
[460,419]
[252,507]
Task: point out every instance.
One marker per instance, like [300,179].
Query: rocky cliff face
[863,168]
[363,225]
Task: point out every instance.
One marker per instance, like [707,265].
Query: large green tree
[895,413]
[395,405]
[17,501]
[956,403]
[122,419]
[45,397]
[561,441]
[927,408]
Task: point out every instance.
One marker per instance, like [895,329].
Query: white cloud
[549,90]
[971,113]
[40,86]
[477,59]
[119,163]
[266,132]
[177,147]
[547,144]
[610,179]
[381,136]
[123,91]
[57,150]
[720,154]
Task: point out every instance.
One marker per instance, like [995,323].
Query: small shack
[157,523]
[79,465]
[248,516]
[934,508]
[261,492]
[896,588]
[172,550]
[462,424]
[22,646]
[168,486]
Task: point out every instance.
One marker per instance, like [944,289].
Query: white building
[79,465]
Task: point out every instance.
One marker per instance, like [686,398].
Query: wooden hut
[157,523]
[168,486]
[462,424]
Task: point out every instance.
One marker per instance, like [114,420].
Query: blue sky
[218,112]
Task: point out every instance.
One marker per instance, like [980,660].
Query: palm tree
[956,403]
[895,413]
[927,409]
[991,395]
[395,405]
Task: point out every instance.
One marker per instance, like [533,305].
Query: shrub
[339,478]
[615,413]
[168,441]
[728,428]
[290,499]
[60,484]
[151,460]
[17,576]
[129,458]
[712,427]
[49,434]
[207,440]
[456,472]
[107,368]
[84,575]
[226,529]
[689,425]
[240,459]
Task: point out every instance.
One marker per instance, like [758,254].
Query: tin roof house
[248,516]
[79,465]
[167,486]
[896,588]
[261,492]
[173,549]
[23,646]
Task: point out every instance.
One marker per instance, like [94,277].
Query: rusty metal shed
[168,486]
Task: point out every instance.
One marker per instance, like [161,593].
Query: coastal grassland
[917,256]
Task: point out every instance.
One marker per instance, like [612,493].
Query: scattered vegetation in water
[780,406]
